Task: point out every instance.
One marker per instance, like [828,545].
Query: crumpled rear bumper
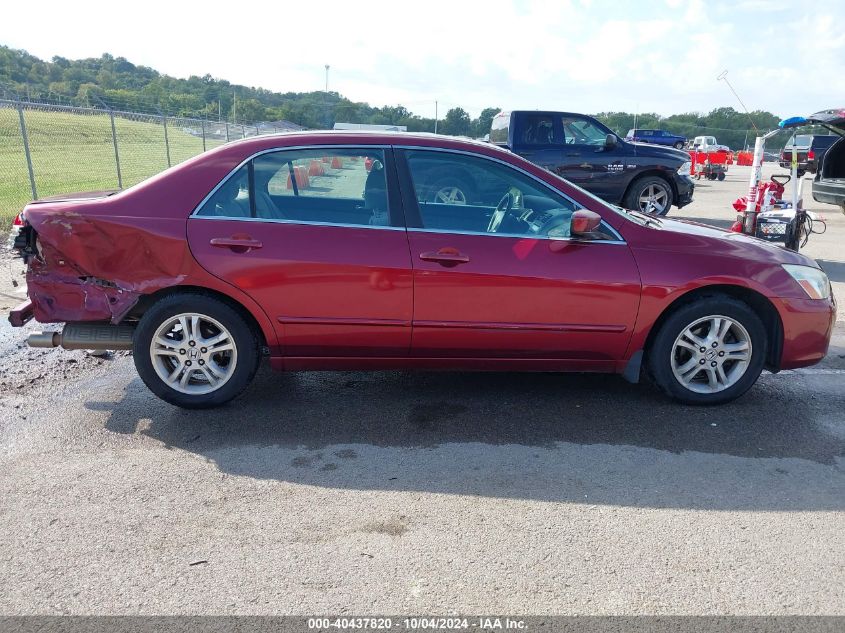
[21,314]
[63,296]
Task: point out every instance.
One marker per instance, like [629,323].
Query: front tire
[734,341]
[195,351]
[649,195]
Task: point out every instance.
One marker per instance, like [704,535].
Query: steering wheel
[502,209]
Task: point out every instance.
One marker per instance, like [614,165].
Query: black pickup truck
[577,147]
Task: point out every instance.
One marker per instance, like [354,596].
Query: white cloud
[579,55]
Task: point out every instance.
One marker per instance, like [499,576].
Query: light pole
[327,78]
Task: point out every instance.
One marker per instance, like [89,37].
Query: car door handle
[447,257]
[239,245]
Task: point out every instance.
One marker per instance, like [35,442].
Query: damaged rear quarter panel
[95,268]
[98,256]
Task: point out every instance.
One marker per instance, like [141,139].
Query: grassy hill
[72,152]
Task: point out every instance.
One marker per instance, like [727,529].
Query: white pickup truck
[708,144]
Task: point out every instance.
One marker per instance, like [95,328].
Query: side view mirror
[611,141]
[584,223]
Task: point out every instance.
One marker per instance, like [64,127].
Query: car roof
[368,137]
[236,151]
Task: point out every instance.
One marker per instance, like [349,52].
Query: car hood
[661,151]
[686,236]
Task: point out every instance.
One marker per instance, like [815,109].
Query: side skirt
[345,363]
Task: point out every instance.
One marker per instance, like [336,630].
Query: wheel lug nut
[701,362]
[192,343]
[721,353]
[702,350]
[201,362]
[715,344]
[182,351]
[188,363]
[713,364]
[203,350]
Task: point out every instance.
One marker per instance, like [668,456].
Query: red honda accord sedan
[347,251]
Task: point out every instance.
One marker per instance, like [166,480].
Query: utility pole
[435,116]
[326,100]
[234,106]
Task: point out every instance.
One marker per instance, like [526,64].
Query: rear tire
[735,347]
[195,351]
[678,145]
[721,176]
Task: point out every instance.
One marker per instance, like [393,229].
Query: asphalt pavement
[402,492]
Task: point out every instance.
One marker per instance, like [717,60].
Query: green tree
[251,110]
[456,123]
[481,125]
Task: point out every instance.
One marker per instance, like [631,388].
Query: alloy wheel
[654,198]
[711,354]
[450,195]
[193,353]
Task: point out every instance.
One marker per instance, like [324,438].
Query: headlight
[684,170]
[814,282]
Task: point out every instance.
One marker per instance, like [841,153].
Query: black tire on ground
[662,351]
[679,145]
[243,338]
[721,175]
[640,186]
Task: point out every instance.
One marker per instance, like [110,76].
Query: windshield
[799,140]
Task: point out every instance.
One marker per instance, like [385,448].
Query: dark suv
[658,137]
[811,150]
[639,176]
[829,183]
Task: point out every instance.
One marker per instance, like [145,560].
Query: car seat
[375,195]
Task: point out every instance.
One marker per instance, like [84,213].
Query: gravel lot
[396,492]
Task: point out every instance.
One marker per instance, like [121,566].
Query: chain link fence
[48,149]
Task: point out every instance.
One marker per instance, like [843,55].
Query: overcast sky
[578,55]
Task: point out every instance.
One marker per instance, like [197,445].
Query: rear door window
[537,130]
[345,186]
